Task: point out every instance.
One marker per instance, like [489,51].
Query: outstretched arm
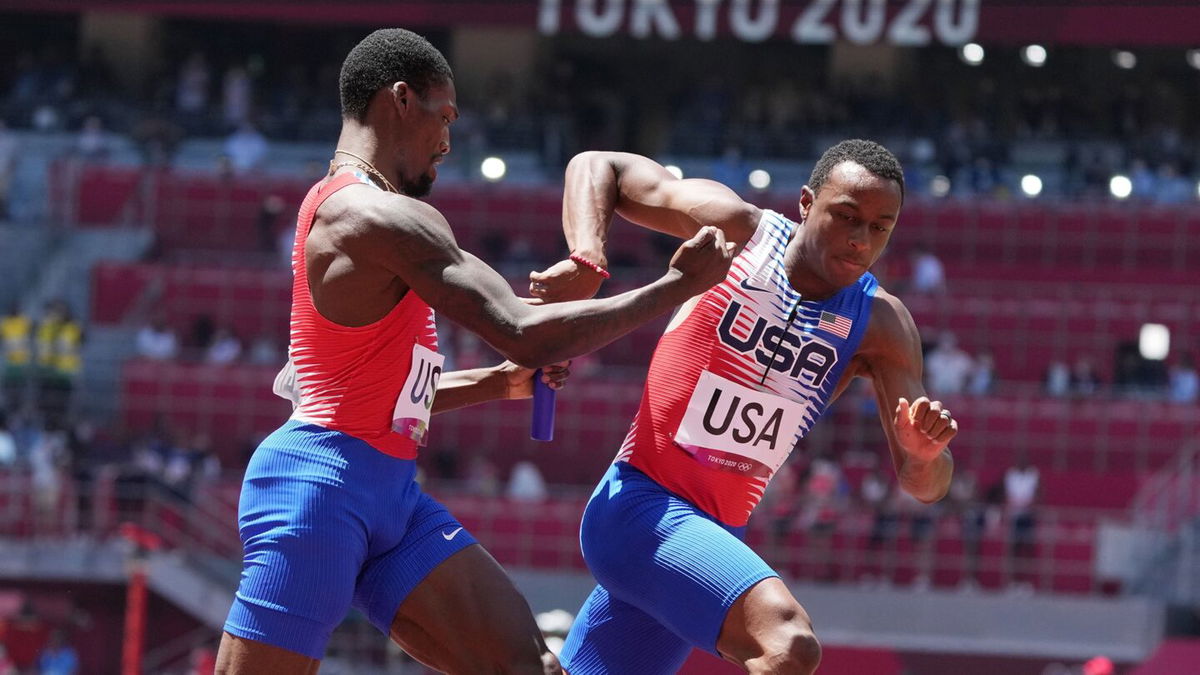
[413,241]
[918,429]
[599,184]
[505,382]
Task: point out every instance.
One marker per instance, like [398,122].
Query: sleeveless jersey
[742,378]
[373,382]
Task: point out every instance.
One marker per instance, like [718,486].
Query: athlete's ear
[807,196]
[400,96]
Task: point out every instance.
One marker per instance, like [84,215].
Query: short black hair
[389,55]
[868,154]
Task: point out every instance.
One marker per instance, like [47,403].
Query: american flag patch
[836,324]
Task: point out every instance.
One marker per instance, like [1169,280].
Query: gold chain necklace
[365,166]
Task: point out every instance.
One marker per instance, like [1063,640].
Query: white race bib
[734,428]
[413,406]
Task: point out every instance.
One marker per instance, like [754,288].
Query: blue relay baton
[541,427]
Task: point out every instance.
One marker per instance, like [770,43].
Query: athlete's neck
[800,274]
[362,143]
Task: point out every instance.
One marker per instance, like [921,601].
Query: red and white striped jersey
[734,385]
[354,379]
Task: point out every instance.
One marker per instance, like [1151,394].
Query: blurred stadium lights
[1193,58]
[1120,186]
[1154,341]
[971,54]
[1125,60]
[759,179]
[674,170]
[493,168]
[939,186]
[1034,55]
[1031,185]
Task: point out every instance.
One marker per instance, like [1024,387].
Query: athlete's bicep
[419,248]
[682,206]
[651,196]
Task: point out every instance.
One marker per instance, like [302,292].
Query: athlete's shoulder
[891,324]
[364,213]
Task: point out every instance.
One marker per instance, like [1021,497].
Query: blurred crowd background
[151,165]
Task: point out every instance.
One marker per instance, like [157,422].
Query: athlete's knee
[790,647]
[801,654]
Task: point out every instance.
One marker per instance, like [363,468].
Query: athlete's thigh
[467,616]
[664,556]
[304,547]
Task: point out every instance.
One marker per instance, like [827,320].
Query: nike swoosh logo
[748,287]
[450,535]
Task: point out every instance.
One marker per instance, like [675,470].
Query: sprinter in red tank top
[371,264]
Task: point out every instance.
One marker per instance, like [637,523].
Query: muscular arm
[891,358]
[642,191]
[599,184]
[507,381]
[461,388]
[413,241]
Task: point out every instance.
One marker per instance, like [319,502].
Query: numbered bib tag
[734,428]
[411,416]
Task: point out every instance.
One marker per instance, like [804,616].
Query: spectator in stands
[58,657]
[8,167]
[237,96]
[201,335]
[225,348]
[982,379]
[1173,187]
[16,334]
[94,142]
[8,443]
[525,483]
[780,501]
[1184,384]
[271,220]
[246,148]
[1022,486]
[1137,376]
[874,493]
[928,274]
[265,351]
[822,503]
[947,367]
[157,341]
[1143,180]
[1084,380]
[192,91]
[46,458]
[1058,379]
[972,519]
[58,344]
[157,137]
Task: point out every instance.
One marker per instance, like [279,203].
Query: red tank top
[349,379]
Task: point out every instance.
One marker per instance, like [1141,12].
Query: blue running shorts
[668,574]
[328,523]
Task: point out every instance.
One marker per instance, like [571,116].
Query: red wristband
[590,265]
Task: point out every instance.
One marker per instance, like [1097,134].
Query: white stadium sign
[907,23]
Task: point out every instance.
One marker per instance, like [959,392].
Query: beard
[418,187]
